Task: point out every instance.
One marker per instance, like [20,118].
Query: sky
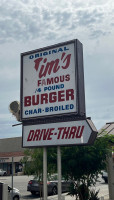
[32,24]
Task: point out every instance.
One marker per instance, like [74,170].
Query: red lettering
[44,98]
[65,132]
[69,94]
[40,136]
[79,133]
[56,79]
[61,96]
[72,132]
[37,63]
[39,82]
[27,101]
[67,77]
[52,65]
[60,130]
[52,97]
[43,70]
[53,80]
[67,59]
[35,101]
[36,135]
[45,133]
[50,134]
[30,136]
[43,67]
[49,81]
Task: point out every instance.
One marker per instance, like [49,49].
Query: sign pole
[59,171]
[12,178]
[45,173]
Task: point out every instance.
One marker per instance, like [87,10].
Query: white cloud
[25,21]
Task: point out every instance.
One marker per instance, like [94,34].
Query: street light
[14,108]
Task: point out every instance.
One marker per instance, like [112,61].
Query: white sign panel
[64,133]
[48,81]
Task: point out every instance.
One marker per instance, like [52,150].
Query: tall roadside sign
[53,97]
[53,101]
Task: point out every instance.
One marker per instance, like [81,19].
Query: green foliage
[93,195]
[82,192]
[82,164]
[52,160]
[33,162]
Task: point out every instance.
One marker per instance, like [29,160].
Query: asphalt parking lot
[21,182]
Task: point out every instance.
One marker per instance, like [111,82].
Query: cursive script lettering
[44,67]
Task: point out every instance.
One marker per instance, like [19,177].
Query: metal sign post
[45,173]
[59,171]
[12,178]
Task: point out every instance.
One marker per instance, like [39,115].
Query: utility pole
[111,177]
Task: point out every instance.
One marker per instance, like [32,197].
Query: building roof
[108,128]
[8,145]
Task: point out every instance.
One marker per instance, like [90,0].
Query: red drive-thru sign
[52,81]
[81,132]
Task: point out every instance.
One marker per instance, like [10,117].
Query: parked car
[105,176]
[16,193]
[2,172]
[36,187]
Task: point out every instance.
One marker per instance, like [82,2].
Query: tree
[33,162]
[82,164]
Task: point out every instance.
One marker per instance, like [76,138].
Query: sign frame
[79,81]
